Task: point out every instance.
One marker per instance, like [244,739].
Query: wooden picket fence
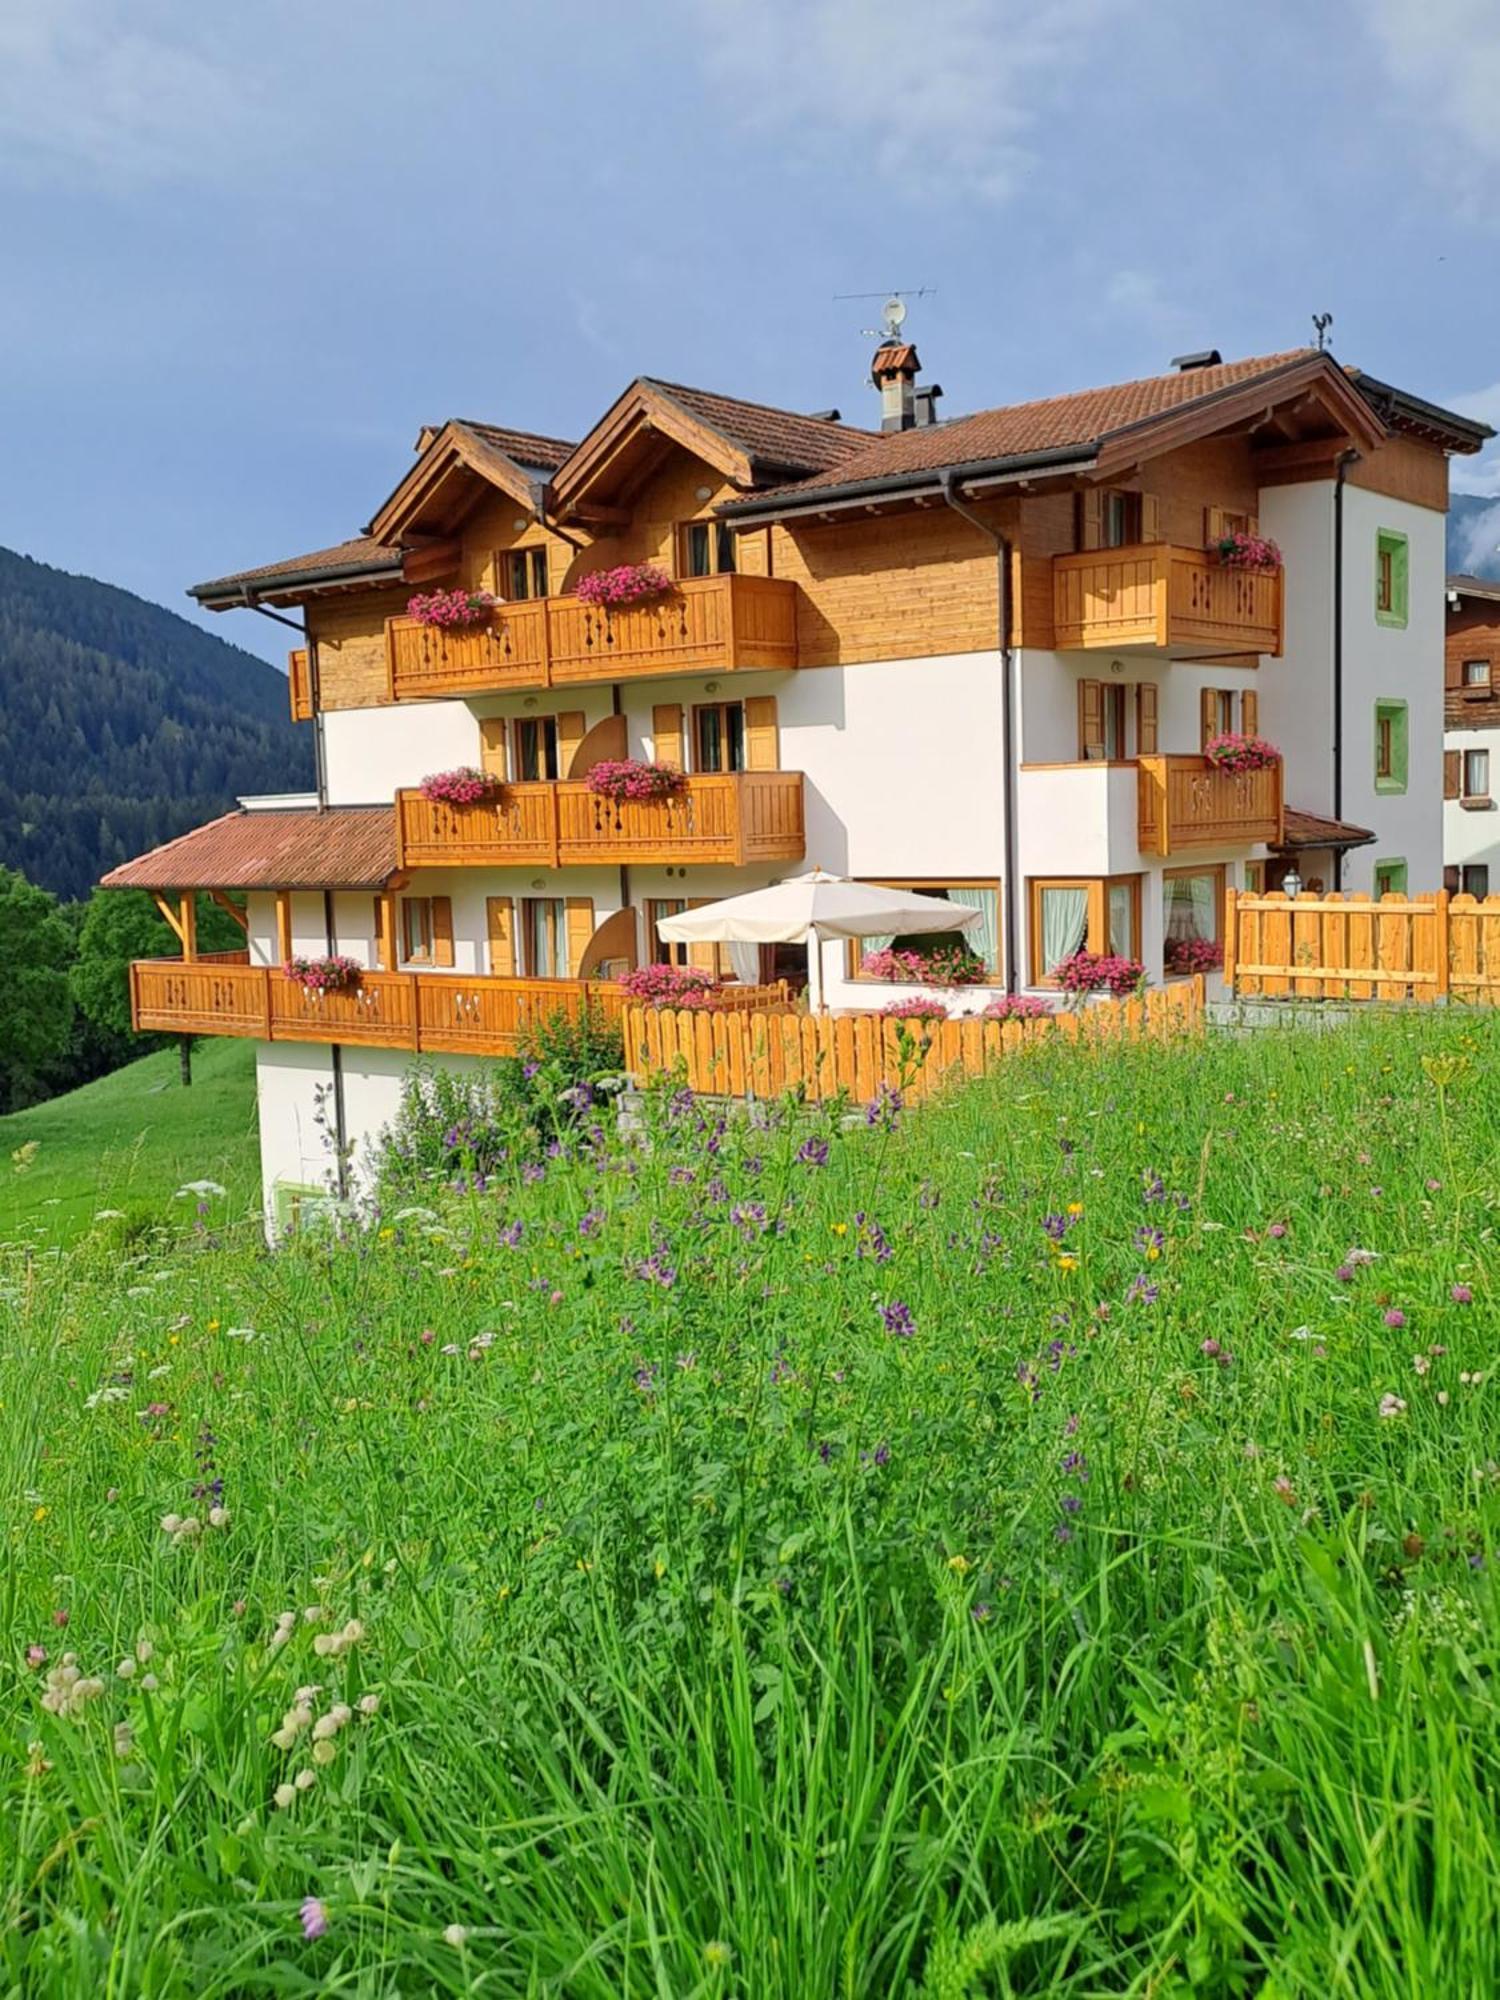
[824,1055]
[1433,947]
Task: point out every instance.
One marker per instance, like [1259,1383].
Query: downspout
[948,486]
[1342,464]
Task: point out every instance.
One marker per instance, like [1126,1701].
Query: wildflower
[1276,1230]
[981,1613]
[717,1954]
[1284,1490]
[897,1319]
[314,1918]
[324,1751]
[126,1669]
[1461,1295]
[1395,1317]
[284,1796]
[1421,1363]
[813,1153]
[960,1565]
[369,1704]
[218,1517]
[456,1935]
[36,1656]
[305,1780]
[1392,1406]
[1140,1288]
[1344,1273]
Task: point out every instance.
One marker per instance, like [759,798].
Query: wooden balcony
[1172,602]
[1187,802]
[443,1013]
[705,625]
[733,819]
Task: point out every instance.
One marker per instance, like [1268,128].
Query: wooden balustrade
[732,818]
[707,624]
[1190,802]
[447,1013]
[1160,598]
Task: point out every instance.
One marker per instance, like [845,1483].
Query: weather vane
[1321,323]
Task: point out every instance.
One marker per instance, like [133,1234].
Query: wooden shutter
[1453,669]
[283,926]
[500,922]
[572,727]
[1145,719]
[1150,518]
[1208,712]
[442,930]
[1090,719]
[666,730]
[762,737]
[1250,713]
[1453,767]
[492,745]
[580,930]
[385,931]
[1091,518]
[299,684]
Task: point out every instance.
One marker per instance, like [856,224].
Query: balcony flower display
[1241,753]
[671,986]
[914,1010]
[450,608]
[1100,972]
[1193,954]
[333,974]
[1018,1007]
[1242,551]
[630,583]
[627,778]
[464,787]
[940,965]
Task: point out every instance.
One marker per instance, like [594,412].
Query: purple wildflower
[897,1318]
[1395,1317]
[813,1152]
[314,1918]
[1140,1287]
[1461,1295]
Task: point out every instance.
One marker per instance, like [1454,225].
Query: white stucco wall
[1472,834]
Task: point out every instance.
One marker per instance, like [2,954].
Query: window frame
[1466,793]
[1393,716]
[1394,866]
[931,885]
[719,544]
[1132,517]
[1096,931]
[526,906]
[534,571]
[1392,577]
[539,722]
[1472,868]
[1220,873]
[664,951]
[424,954]
[722,708]
[1481,686]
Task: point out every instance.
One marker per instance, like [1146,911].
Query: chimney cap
[894,358]
[824,416]
[1206,357]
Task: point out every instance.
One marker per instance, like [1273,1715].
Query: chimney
[894,373]
[927,398]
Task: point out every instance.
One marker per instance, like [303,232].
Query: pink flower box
[626,778]
[334,974]
[464,787]
[629,583]
[671,986]
[449,608]
[1241,551]
[1232,752]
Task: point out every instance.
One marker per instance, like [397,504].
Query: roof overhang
[1415,415]
[454,471]
[627,444]
[293,586]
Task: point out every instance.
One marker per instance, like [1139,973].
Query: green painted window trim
[1396,713]
[1395,872]
[1388,541]
[295,1204]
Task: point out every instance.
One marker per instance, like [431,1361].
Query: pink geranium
[1018,1007]
[1242,551]
[942,965]
[914,1010]
[628,778]
[629,583]
[465,786]
[1193,955]
[1233,752]
[448,608]
[1100,972]
[671,986]
[333,974]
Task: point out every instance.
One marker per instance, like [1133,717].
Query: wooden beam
[170,915]
[599,515]
[187,912]
[283,926]
[230,909]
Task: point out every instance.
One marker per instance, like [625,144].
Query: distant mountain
[1474,535]
[121,724]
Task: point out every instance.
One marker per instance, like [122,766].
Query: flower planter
[465,786]
[334,974]
[629,583]
[450,608]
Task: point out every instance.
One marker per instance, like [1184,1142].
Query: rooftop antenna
[1321,323]
[893,312]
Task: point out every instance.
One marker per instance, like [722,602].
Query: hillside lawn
[1041,1544]
[129,1141]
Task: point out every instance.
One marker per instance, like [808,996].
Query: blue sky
[249,250]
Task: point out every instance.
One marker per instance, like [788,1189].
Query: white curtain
[983,938]
[1121,913]
[1205,913]
[1065,922]
[1192,907]
[744,960]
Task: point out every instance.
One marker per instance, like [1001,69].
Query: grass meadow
[1042,1544]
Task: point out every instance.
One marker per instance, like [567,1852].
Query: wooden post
[283,925]
[1231,935]
[187,908]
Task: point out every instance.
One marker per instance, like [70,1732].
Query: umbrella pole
[815,973]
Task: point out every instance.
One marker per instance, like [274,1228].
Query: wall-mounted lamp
[705,493]
[1291,884]
[710,687]
[530,701]
[520,524]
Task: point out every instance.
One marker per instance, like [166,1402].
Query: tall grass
[972,1561]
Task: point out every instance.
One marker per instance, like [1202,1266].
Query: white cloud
[936,101]
[84,96]
[1444,56]
[1481,474]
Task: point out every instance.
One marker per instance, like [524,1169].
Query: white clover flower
[1392,1406]
[456,1935]
[369,1704]
[218,1517]
[328,1645]
[284,1796]
[170,1523]
[315,1614]
[305,1780]
[341,1713]
[150,1683]
[124,1739]
[324,1751]
[143,1650]
[355,1631]
[324,1728]
[126,1669]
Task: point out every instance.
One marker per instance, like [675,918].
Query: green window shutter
[1392,577]
[1392,716]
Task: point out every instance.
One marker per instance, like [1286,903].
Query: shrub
[334,973]
[628,778]
[1232,752]
[451,607]
[1100,972]
[954,964]
[464,786]
[629,583]
[1018,1007]
[671,986]
[1193,955]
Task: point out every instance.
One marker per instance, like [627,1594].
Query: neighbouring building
[981,656]
[1471,736]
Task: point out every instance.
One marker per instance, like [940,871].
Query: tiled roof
[344,847]
[1053,423]
[1474,586]
[360,554]
[525,447]
[779,438]
[1302,829]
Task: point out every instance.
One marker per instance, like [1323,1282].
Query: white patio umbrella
[809,908]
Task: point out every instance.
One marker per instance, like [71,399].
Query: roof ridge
[825,424]
[1263,361]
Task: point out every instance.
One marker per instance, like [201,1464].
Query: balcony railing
[1163,599]
[704,625]
[446,1013]
[734,818]
[1189,802]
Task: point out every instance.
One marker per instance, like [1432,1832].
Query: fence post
[1440,943]
[1231,936]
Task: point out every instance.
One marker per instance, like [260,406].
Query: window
[1477,775]
[1116,720]
[719,736]
[1192,918]
[1119,520]
[1390,878]
[707,549]
[544,937]
[1476,879]
[983,938]
[1223,711]
[658,950]
[1476,674]
[1098,914]
[1390,577]
[416,929]
[521,573]
[1390,746]
[536,748]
